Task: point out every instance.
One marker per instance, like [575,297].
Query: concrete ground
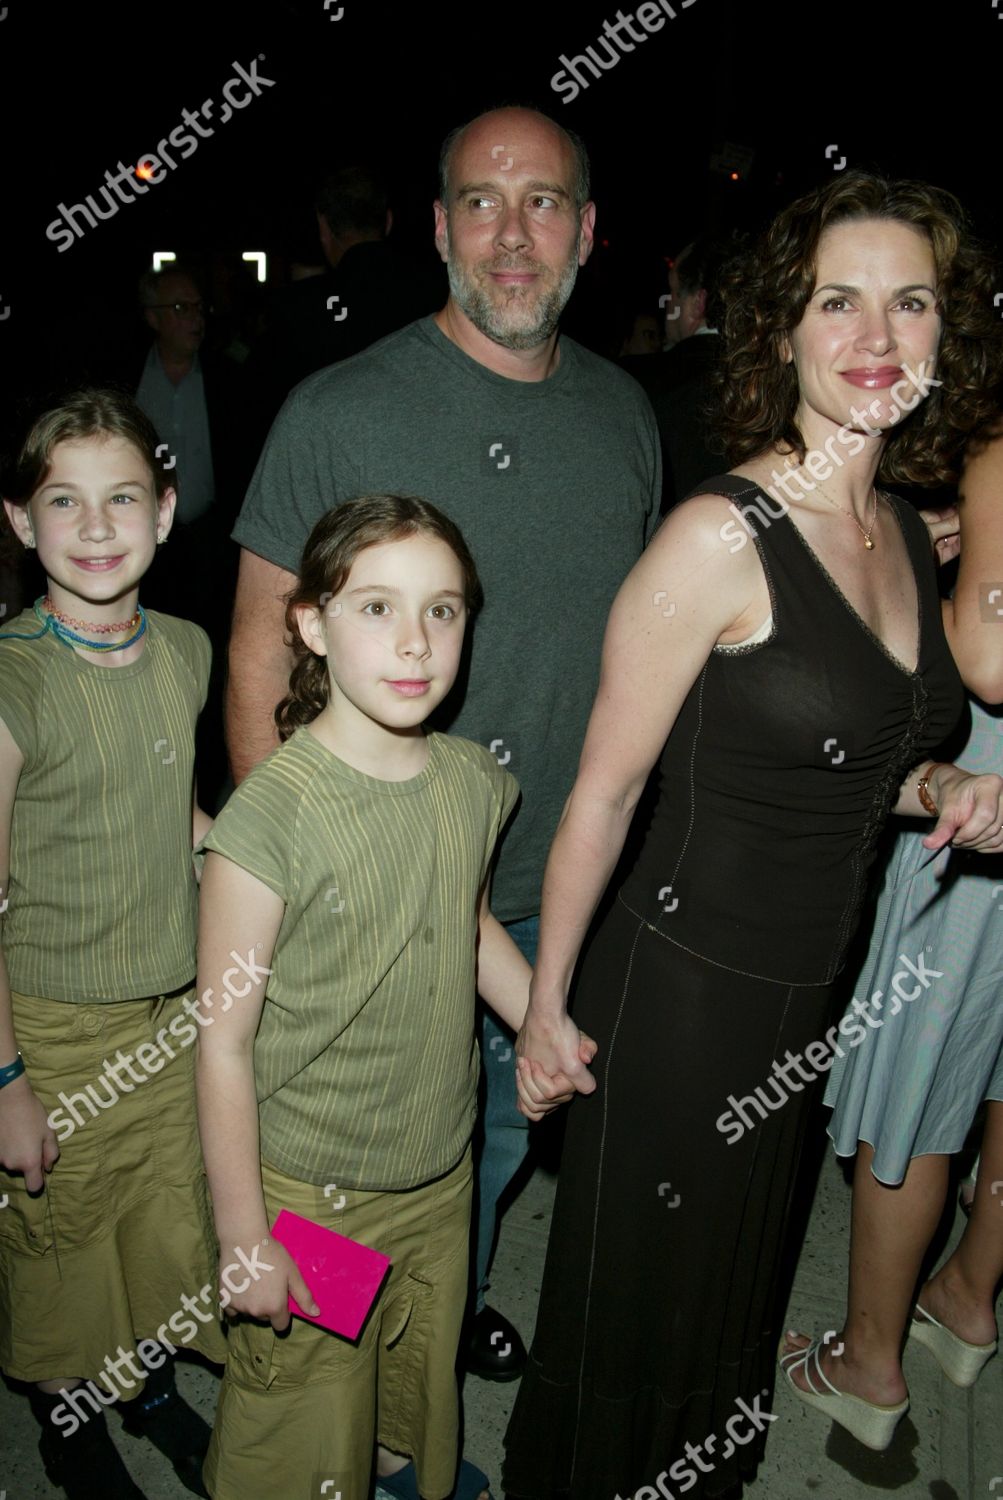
[949,1447]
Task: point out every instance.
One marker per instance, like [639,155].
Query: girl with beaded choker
[107,1226]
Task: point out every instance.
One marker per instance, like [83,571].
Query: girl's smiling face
[872,316]
[95,520]
[393,634]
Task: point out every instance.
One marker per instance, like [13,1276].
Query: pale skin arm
[503,973]
[649,663]
[27,1142]
[237,912]
[503,976]
[259,662]
[970,807]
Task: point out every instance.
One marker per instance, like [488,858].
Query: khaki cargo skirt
[122,1232]
[300,1413]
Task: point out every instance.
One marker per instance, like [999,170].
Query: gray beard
[513,324]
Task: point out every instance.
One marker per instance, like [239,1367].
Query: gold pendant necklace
[868,542]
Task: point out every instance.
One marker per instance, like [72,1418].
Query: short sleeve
[653,516]
[189,645]
[203,648]
[21,680]
[505,792]
[510,796]
[299,477]
[198,654]
[257,829]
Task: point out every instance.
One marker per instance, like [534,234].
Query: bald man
[547,457]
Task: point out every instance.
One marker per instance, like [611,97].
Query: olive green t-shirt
[365,1060]
[102,895]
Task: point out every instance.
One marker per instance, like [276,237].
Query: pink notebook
[343,1275]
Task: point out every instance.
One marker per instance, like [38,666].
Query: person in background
[367,289]
[680,383]
[195,401]
[905,1099]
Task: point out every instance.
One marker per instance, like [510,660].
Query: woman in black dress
[778,651]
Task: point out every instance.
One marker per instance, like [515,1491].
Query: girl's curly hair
[332,547]
[765,292]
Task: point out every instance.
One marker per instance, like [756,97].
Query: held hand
[552,1063]
[539,1094]
[27,1141]
[257,1280]
[971,812]
[944,532]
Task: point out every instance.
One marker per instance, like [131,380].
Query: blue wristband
[13,1070]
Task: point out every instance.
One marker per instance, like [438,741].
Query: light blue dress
[930,997]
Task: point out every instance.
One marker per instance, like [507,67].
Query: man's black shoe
[494,1349]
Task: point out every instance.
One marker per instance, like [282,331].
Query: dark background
[893,87]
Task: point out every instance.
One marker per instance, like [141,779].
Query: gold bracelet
[924,796]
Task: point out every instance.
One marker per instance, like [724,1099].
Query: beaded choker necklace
[90,625]
[60,625]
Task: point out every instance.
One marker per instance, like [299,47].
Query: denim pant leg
[505,1141]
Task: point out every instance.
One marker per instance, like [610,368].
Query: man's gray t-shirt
[555,486]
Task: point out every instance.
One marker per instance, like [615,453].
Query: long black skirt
[658,1321]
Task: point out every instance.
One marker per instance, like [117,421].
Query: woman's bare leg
[962,1295]
[891,1230]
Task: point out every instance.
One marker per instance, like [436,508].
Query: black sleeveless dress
[715,960]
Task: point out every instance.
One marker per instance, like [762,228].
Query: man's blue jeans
[503,1140]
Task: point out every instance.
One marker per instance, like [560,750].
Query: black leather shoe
[494,1349]
[86,1465]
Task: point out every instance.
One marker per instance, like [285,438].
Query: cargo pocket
[408,1313]
[255,1354]
[25,1218]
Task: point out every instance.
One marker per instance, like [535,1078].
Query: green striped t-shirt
[365,1060]
[103,901]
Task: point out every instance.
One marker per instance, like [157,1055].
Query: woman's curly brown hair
[332,547]
[765,294]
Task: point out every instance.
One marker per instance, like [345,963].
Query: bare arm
[238,914]
[970,807]
[687,591]
[503,977]
[974,621]
[27,1140]
[259,662]
[503,974]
